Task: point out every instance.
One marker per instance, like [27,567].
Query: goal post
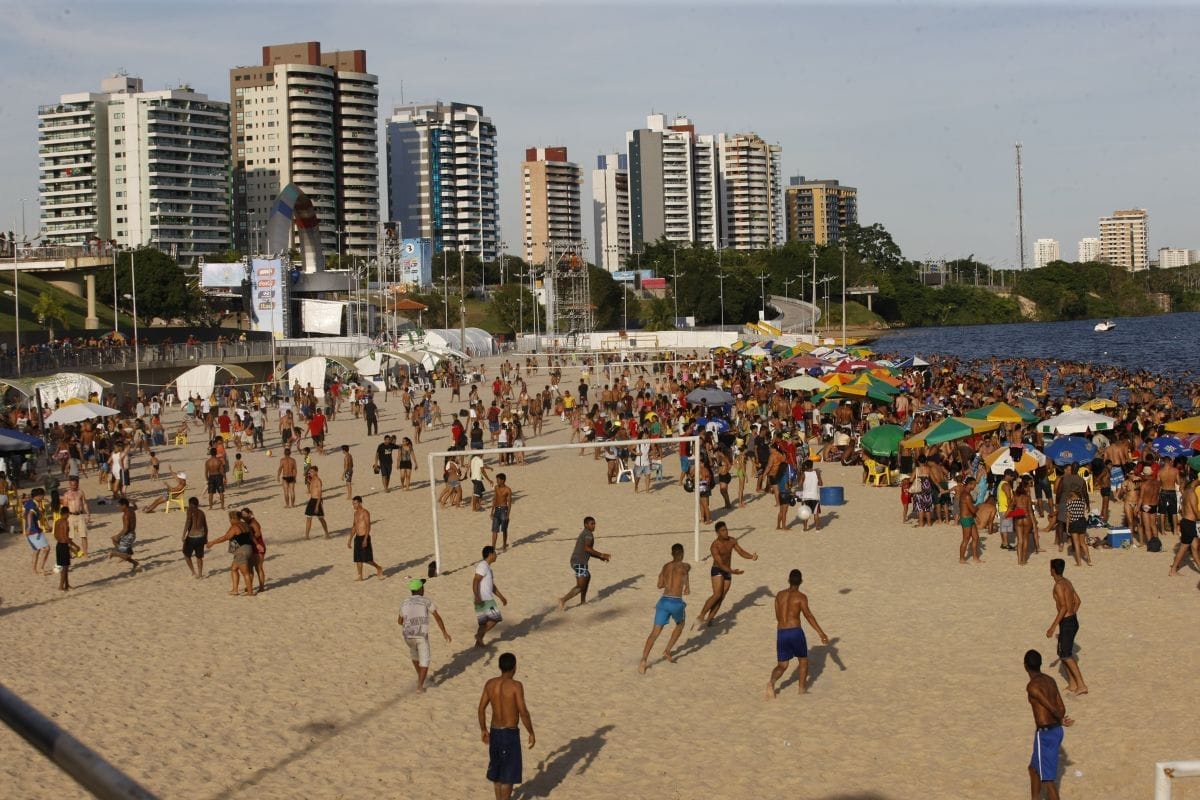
[695,467]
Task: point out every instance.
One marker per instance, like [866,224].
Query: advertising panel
[416,262]
[216,275]
[267,295]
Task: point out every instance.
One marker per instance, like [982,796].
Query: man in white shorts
[75,501]
[414,621]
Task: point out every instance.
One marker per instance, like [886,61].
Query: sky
[916,105]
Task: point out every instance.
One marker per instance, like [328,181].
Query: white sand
[307,691]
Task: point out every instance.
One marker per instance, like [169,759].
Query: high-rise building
[143,168]
[610,210]
[673,184]
[308,118]
[751,197]
[1045,251]
[550,198]
[1089,250]
[818,211]
[1123,239]
[1174,257]
[441,175]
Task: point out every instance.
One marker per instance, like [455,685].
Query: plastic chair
[656,468]
[623,470]
[878,474]
[181,438]
[1086,474]
[178,499]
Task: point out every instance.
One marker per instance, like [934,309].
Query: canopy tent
[14,441]
[1077,420]
[60,387]
[312,371]
[479,343]
[200,381]
[1002,412]
[949,430]
[78,412]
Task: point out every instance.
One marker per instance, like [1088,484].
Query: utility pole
[814,293]
[843,248]
[1020,208]
[462,305]
[721,278]
[762,292]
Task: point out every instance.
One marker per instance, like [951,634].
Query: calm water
[1165,344]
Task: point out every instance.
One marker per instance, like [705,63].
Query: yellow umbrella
[1189,425]
[1098,404]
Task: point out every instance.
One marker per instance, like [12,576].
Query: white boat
[1107,325]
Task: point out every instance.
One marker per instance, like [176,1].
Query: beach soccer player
[506,697]
[580,557]
[502,501]
[1067,602]
[722,571]
[673,580]
[1050,717]
[790,641]
[414,622]
[483,586]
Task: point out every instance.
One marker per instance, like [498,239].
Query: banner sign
[267,295]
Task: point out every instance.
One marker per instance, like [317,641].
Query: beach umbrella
[78,412]
[1070,450]
[1002,412]
[1168,447]
[1077,420]
[1191,442]
[14,441]
[1189,425]
[950,429]
[1030,404]
[803,383]
[1001,460]
[709,395]
[829,406]
[1098,404]
[883,440]
[851,364]
[1194,463]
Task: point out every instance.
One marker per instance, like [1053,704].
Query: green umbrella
[1194,463]
[883,440]
[949,430]
[1002,412]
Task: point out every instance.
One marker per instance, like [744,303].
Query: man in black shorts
[214,474]
[315,507]
[383,460]
[583,552]
[1188,541]
[722,571]
[1067,601]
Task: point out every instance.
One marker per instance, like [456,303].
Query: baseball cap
[416,584]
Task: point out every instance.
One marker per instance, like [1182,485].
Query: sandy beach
[307,690]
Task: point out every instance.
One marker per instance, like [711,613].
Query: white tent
[312,371]
[1077,420]
[479,343]
[200,381]
[70,386]
[78,412]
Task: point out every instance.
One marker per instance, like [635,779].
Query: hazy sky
[916,105]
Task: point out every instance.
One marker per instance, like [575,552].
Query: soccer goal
[435,485]
[1167,771]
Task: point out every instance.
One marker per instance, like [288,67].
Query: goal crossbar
[433,483]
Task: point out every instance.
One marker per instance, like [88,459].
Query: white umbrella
[78,412]
[1077,420]
[803,383]
[1030,459]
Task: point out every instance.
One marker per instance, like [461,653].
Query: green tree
[606,299]
[513,306]
[49,309]
[873,244]
[657,314]
[163,288]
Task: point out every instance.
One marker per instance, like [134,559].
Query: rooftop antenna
[1020,208]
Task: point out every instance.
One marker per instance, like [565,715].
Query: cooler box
[833,496]
[1118,537]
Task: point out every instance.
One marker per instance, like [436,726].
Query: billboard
[416,262]
[215,275]
[267,295]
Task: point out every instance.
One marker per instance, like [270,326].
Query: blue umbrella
[1070,450]
[709,396]
[12,440]
[1169,447]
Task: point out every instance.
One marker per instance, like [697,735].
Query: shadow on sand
[576,756]
[723,623]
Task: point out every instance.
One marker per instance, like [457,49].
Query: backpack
[1154,545]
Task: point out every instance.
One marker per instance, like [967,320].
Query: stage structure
[568,291]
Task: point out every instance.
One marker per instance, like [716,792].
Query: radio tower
[1020,208]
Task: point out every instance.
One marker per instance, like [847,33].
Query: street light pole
[17,307]
[462,305]
[446,285]
[814,293]
[843,295]
[721,278]
[137,362]
[762,291]
[675,293]
[786,284]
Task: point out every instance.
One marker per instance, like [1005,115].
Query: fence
[43,359]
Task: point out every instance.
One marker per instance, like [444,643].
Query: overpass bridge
[795,316]
[72,269]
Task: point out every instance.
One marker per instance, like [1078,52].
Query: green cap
[416,584]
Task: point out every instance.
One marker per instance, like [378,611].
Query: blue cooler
[1117,537]
[833,496]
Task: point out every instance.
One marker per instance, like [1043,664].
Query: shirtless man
[502,501]
[722,572]
[1067,601]
[214,474]
[124,538]
[1168,499]
[75,501]
[1187,528]
[62,547]
[174,485]
[360,539]
[790,641]
[1149,493]
[286,475]
[315,506]
[1050,716]
[503,738]
[673,580]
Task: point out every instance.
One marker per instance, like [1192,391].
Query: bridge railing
[43,360]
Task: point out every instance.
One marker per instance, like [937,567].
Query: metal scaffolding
[569,297]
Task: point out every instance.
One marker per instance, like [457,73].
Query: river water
[1164,344]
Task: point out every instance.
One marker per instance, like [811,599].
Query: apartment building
[610,211]
[1045,251]
[818,211]
[1088,250]
[673,184]
[1124,239]
[552,217]
[750,191]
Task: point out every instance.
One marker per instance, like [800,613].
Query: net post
[695,446]
[433,504]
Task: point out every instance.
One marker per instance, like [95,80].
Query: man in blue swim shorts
[1050,716]
[790,641]
[673,580]
[507,700]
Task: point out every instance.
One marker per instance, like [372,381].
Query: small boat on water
[1107,325]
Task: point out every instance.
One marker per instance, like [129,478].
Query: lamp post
[137,362]
[446,285]
[462,305]
[16,293]
[786,284]
[814,293]
[721,278]
[675,293]
[762,291]
[843,249]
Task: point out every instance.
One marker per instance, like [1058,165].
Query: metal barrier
[72,756]
[41,360]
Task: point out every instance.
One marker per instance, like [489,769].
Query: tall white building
[441,176]
[610,211]
[1045,251]
[751,192]
[141,168]
[673,184]
[550,199]
[1174,257]
[1089,250]
[308,118]
[1123,239]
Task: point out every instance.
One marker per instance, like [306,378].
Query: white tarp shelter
[200,381]
[70,386]
[478,342]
